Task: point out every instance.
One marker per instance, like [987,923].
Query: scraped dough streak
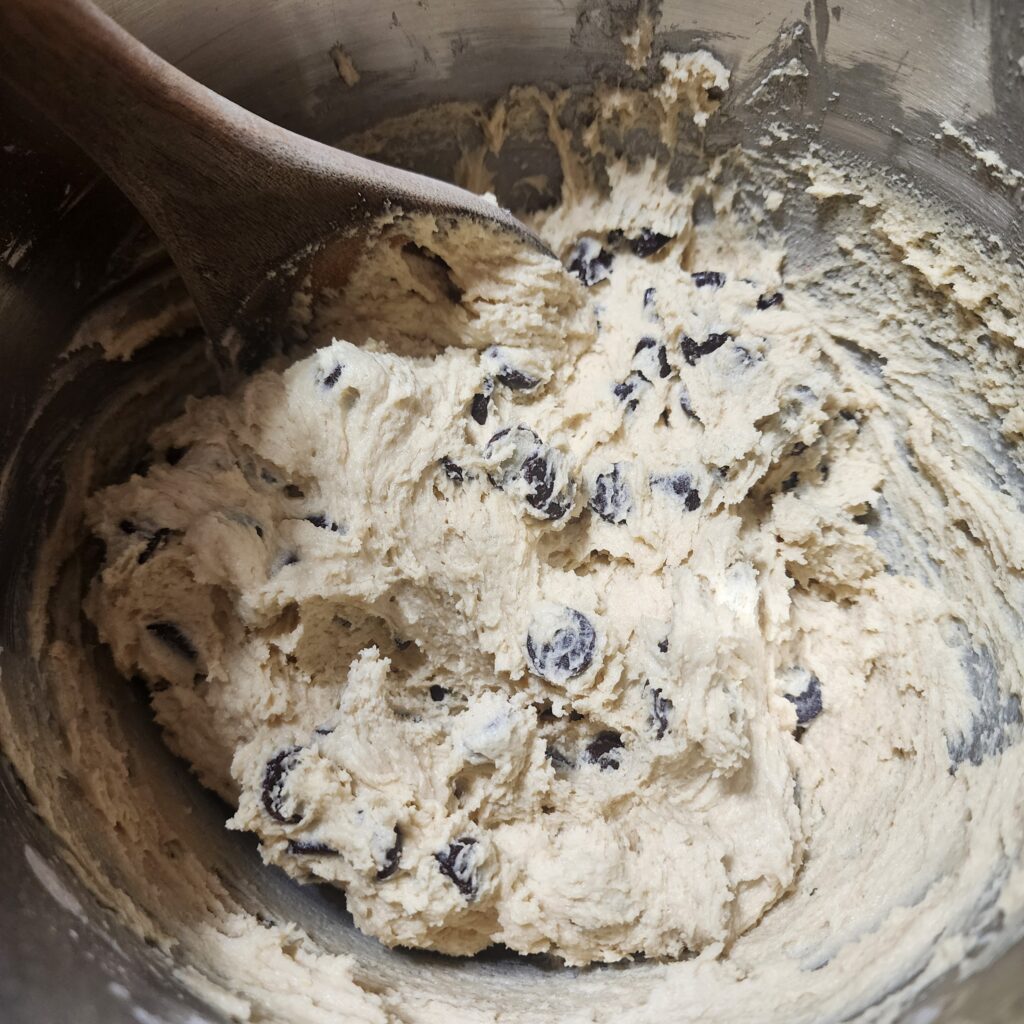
[716,648]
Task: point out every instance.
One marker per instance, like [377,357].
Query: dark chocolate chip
[392,857]
[808,703]
[557,758]
[603,750]
[311,847]
[648,242]
[611,499]
[324,730]
[127,526]
[292,491]
[174,455]
[663,367]
[715,93]
[767,301]
[663,646]
[680,485]
[649,294]
[660,707]
[589,262]
[275,776]
[708,278]
[790,483]
[564,652]
[142,467]
[456,864]
[516,380]
[478,407]
[648,344]
[629,390]
[437,692]
[321,522]
[155,542]
[615,236]
[451,469]
[535,463]
[402,644]
[172,637]
[693,351]
[685,404]
[326,379]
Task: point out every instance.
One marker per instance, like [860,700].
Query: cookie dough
[659,600]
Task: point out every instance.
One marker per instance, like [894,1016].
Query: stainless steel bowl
[884,75]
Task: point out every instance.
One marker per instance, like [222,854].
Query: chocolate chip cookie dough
[659,599]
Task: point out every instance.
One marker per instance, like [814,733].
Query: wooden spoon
[233,197]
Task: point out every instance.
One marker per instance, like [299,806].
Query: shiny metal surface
[884,75]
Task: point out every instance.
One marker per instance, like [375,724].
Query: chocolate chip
[715,93]
[652,345]
[275,776]
[685,403]
[603,750]
[693,351]
[615,236]
[660,707]
[629,390]
[451,469]
[142,467]
[402,644]
[311,847]
[516,380]
[767,301]
[611,499]
[321,522]
[548,487]
[649,294]
[457,862]
[392,857]
[663,646]
[292,491]
[156,541]
[557,758]
[681,485]
[561,645]
[648,242]
[589,262]
[326,379]
[171,636]
[708,278]
[324,730]
[174,455]
[478,407]
[438,693]
[790,483]
[808,703]
[127,526]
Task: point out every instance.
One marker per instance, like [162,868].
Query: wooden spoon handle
[219,185]
[144,122]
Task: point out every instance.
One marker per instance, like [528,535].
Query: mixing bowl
[921,89]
